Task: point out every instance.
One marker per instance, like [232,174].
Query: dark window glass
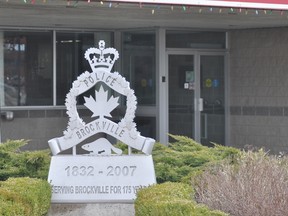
[208,40]
[28,67]
[146,126]
[139,65]
[70,48]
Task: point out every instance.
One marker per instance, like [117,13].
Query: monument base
[94,179]
[100,209]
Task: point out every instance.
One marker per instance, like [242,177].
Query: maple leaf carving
[101,106]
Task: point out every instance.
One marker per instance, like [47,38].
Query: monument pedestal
[92,209]
[94,179]
[90,184]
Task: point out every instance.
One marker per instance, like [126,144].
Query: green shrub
[14,163]
[185,158]
[24,197]
[173,199]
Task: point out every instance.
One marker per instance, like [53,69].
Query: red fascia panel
[256,4]
[261,1]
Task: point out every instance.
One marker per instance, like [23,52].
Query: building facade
[215,73]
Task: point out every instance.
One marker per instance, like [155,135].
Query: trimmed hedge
[19,194]
[24,197]
[173,199]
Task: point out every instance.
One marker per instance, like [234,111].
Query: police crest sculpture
[109,176]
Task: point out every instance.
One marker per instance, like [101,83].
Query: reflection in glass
[139,65]
[146,126]
[213,94]
[70,60]
[71,48]
[188,39]
[27,68]
[181,99]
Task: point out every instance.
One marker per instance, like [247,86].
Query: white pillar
[2,102]
[1,78]
[162,101]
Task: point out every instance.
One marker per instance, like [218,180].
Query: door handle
[198,104]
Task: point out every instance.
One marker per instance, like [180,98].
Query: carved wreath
[71,104]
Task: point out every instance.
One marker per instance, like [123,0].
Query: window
[139,68]
[186,39]
[26,65]
[27,68]
[70,60]
[139,65]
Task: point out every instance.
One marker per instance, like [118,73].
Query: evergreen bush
[173,199]
[19,194]
[185,158]
[24,197]
[14,163]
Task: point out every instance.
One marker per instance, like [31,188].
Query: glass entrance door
[212,92]
[196,96]
[181,95]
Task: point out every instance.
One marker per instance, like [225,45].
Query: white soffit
[129,14]
[251,4]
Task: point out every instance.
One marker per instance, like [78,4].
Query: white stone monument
[103,174]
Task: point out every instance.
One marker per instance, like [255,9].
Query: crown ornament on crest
[101,58]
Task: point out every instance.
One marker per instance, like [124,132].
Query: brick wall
[259,88]
[37,126]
